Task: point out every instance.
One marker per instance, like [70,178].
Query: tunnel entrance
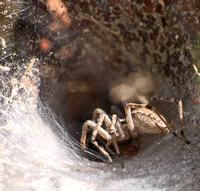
[100,53]
[95,54]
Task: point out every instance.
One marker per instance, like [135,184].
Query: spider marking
[139,119]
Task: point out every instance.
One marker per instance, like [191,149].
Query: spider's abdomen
[145,121]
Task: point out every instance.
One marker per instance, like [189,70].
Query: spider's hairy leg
[96,130]
[102,150]
[85,131]
[93,125]
[128,114]
[114,133]
[120,130]
[169,127]
[180,107]
[102,117]
[181,138]
[109,149]
[180,110]
[96,113]
[111,129]
[116,146]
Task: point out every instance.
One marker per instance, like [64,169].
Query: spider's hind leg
[180,110]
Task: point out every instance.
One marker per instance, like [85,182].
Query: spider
[139,119]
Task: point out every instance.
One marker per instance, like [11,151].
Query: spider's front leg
[111,129]
[96,129]
[129,118]
[109,134]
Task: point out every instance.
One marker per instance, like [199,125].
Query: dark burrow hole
[83,62]
[107,49]
[71,110]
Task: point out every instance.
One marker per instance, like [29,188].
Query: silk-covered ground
[60,61]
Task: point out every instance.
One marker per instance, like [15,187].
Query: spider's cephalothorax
[139,119]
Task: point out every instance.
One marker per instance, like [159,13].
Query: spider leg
[101,149]
[116,146]
[110,132]
[130,106]
[161,130]
[102,132]
[96,112]
[180,110]
[84,132]
[169,127]
[180,107]
[112,128]
[119,135]
[113,131]
[120,130]
[108,147]
[96,130]
[129,119]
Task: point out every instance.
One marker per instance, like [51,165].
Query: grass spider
[139,119]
